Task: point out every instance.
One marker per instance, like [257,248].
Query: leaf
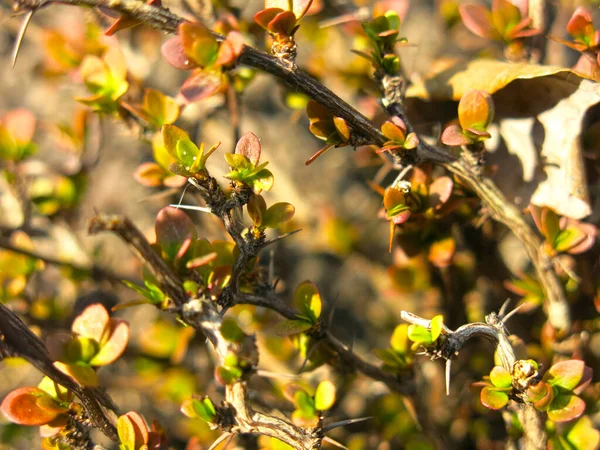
[565,408]
[500,377]
[172,227]
[199,43]
[278,214]
[291,327]
[21,407]
[256,208]
[126,432]
[249,146]
[454,137]
[582,435]
[419,335]
[325,396]
[283,23]
[82,374]
[308,300]
[566,374]
[231,48]
[204,409]
[173,51]
[161,108]
[478,21]
[569,238]
[114,347]
[231,331]
[493,399]
[441,252]
[475,110]
[452,82]
[92,322]
[399,339]
[437,325]
[201,85]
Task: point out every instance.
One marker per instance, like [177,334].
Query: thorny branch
[16,339]
[500,208]
[202,314]
[494,331]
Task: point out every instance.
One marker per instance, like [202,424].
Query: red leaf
[173,51]
[200,85]
[92,322]
[478,20]
[249,146]
[454,136]
[20,406]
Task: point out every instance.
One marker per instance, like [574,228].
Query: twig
[202,314]
[494,331]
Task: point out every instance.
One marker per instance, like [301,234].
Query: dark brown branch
[17,340]
[498,207]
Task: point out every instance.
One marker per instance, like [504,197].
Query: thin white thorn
[504,307]
[182,194]
[193,208]
[512,313]
[221,439]
[21,36]
[334,442]
[448,365]
[267,374]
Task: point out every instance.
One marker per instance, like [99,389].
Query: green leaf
[582,435]
[568,238]
[325,395]
[237,161]
[291,327]
[419,334]
[187,153]
[231,331]
[228,375]
[550,225]
[500,377]
[308,300]
[437,324]
[278,214]
[565,408]
[305,403]
[493,399]
[399,339]
[566,374]
[126,432]
[204,409]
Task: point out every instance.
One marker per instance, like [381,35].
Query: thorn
[283,236]
[21,36]
[504,308]
[505,318]
[448,365]
[221,439]
[271,273]
[193,208]
[343,423]
[267,374]
[308,355]
[332,311]
[334,442]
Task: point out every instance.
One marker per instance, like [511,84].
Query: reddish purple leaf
[478,21]
[173,51]
[249,146]
[453,136]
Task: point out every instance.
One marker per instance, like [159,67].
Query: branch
[202,314]
[18,340]
[498,207]
[494,331]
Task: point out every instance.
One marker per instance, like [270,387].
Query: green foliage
[309,408]
[245,164]
[426,336]
[106,79]
[17,128]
